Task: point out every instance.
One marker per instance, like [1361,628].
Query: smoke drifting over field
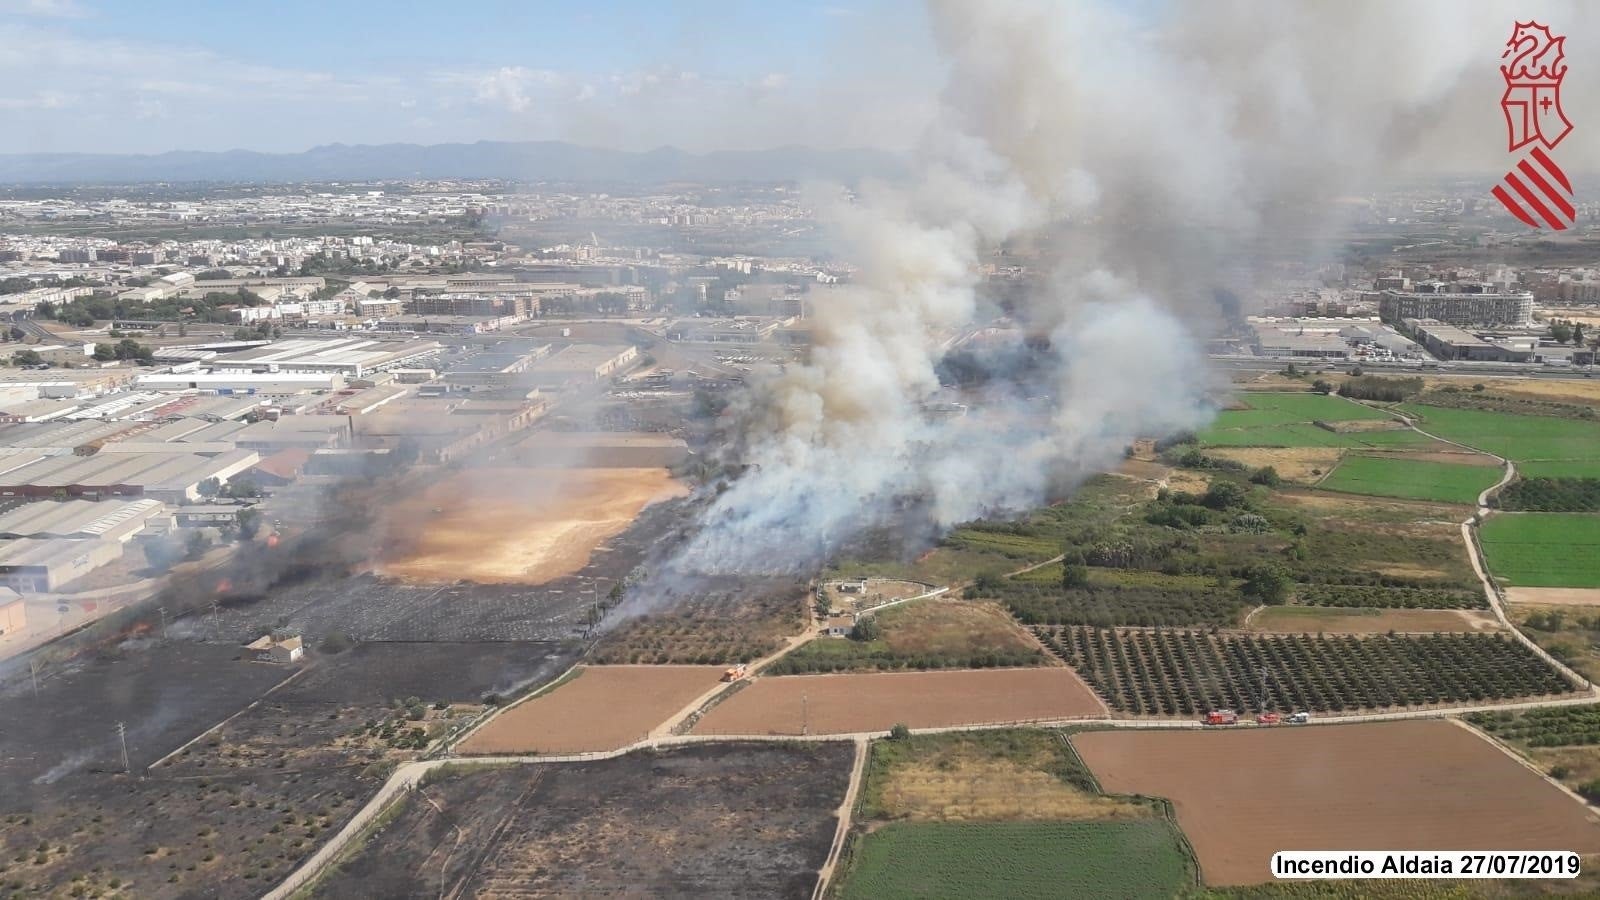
[1152,160]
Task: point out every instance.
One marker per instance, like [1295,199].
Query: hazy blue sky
[156,75]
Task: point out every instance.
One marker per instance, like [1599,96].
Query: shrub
[1266,475]
[866,629]
[900,732]
[1383,390]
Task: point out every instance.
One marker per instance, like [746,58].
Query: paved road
[1445,369]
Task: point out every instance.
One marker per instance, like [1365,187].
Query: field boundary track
[847,807]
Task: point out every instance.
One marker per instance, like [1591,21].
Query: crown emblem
[1536,55]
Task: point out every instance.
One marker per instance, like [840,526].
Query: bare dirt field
[1332,620]
[739,820]
[1242,795]
[1188,480]
[516,526]
[1154,475]
[1303,464]
[1148,470]
[603,708]
[1548,596]
[837,704]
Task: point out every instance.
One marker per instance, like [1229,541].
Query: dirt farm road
[847,808]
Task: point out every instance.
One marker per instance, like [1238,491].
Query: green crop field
[1286,409]
[1543,549]
[1222,434]
[1411,479]
[1540,445]
[1559,468]
[1138,858]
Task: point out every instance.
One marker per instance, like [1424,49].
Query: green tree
[1074,575]
[1560,331]
[249,522]
[900,732]
[27,358]
[1577,334]
[1322,386]
[866,629]
[196,545]
[209,488]
[1267,584]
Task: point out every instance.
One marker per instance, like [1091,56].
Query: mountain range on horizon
[556,161]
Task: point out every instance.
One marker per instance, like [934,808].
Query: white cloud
[218,98]
[41,100]
[55,9]
[513,87]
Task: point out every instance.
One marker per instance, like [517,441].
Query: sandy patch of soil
[1303,464]
[515,526]
[1554,596]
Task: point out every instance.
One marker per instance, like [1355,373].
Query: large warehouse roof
[33,552]
[354,354]
[77,518]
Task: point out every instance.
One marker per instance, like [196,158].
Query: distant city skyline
[100,76]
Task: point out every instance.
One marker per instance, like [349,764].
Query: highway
[1437,368]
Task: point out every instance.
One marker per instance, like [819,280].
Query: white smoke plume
[1156,160]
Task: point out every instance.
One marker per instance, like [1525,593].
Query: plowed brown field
[604,708]
[840,704]
[1242,795]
